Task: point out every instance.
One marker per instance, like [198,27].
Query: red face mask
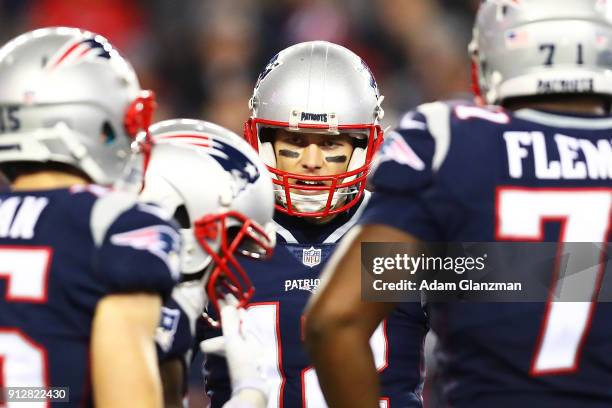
[245,237]
[353,180]
[139,117]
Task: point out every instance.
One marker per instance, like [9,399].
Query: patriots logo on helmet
[160,240]
[74,52]
[274,62]
[243,170]
[370,75]
[236,163]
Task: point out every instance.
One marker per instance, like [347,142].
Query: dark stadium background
[202,57]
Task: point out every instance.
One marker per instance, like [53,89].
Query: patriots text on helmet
[565,86]
[313,117]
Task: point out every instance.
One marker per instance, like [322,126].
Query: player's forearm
[172,377]
[124,361]
[345,367]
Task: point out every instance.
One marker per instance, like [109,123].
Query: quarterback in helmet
[534,168]
[316,112]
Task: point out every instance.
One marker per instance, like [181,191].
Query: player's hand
[240,348]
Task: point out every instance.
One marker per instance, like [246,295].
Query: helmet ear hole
[108,134]
[182,216]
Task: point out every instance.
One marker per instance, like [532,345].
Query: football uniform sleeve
[137,245]
[403,176]
[175,335]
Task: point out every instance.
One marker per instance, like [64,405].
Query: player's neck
[321,220]
[47,180]
[592,106]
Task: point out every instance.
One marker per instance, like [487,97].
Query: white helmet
[325,88]
[218,190]
[529,47]
[67,96]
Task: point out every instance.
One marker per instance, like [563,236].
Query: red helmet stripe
[191,138]
[66,53]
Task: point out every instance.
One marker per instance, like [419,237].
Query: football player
[83,269]
[198,168]
[316,113]
[536,168]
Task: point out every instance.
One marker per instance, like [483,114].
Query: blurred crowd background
[202,57]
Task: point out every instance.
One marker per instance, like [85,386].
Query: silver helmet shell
[528,47]
[318,87]
[66,96]
[208,171]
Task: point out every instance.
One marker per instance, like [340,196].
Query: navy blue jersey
[61,251]
[283,287]
[460,173]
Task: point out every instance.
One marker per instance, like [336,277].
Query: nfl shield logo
[311,257]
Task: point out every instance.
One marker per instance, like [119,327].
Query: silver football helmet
[67,96]
[218,190]
[538,47]
[317,87]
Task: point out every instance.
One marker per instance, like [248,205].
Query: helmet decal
[242,169]
[77,51]
[232,160]
[274,62]
[370,76]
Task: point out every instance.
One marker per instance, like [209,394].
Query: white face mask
[315,202]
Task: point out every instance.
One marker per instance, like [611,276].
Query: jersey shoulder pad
[138,244]
[407,158]
[106,210]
